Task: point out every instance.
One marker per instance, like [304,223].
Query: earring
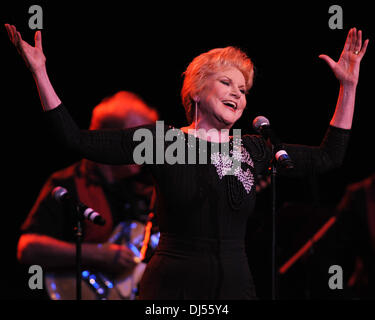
[196,117]
[196,111]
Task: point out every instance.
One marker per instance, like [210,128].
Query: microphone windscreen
[259,122]
[58,193]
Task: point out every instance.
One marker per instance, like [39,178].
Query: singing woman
[201,209]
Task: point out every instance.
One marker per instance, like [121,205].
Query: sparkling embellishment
[224,163]
[242,156]
[246,178]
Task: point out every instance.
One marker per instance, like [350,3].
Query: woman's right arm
[36,62]
[104,146]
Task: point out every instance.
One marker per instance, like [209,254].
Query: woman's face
[223,99]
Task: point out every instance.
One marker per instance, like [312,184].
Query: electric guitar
[99,286]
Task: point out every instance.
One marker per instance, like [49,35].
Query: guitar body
[98,286]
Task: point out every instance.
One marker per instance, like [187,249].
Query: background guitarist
[118,193]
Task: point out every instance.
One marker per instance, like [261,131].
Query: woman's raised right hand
[33,56]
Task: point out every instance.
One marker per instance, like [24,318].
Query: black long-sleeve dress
[202,210]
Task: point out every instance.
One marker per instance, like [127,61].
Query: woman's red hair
[207,64]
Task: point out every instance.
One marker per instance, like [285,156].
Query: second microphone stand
[286,164]
[274,266]
[78,234]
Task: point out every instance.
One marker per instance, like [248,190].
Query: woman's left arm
[330,154]
[346,71]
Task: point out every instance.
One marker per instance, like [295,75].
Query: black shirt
[202,210]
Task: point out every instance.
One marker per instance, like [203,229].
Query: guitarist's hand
[117,258]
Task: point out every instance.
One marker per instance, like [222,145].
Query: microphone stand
[78,236]
[262,125]
[274,267]
[75,208]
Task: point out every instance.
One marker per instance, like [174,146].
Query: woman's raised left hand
[346,69]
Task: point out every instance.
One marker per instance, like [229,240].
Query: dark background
[95,49]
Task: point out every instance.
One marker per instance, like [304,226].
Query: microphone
[62,195]
[262,125]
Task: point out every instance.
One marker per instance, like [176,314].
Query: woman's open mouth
[230,104]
